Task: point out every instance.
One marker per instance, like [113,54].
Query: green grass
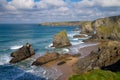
[97,75]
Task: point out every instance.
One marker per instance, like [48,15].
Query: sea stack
[61,40]
[24,52]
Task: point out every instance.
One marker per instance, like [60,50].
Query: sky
[38,11]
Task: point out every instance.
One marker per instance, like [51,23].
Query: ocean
[14,36]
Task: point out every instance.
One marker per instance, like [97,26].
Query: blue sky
[37,11]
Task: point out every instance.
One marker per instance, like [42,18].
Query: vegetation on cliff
[72,23]
[97,75]
[112,32]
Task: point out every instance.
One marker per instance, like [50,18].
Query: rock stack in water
[22,53]
[61,40]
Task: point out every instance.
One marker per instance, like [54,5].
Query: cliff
[73,23]
[94,26]
[105,28]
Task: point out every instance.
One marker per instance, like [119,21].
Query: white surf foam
[50,46]
[76,43]
[16,47]
[65,50]
[62,50]
[75,39]
[71,34]
[47,73]
[4,59]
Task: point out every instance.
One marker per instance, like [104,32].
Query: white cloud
[108,3]
[22,4]
[50,3]
[56,10]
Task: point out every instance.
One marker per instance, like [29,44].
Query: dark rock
[61,63]
[52,56]
[61,40]
[85,64]
[79,36]
[46,58]
[114,67]
[25,52]
[76,55]
[108,54]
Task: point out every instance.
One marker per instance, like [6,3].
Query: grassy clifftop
[97,75]
[74,23]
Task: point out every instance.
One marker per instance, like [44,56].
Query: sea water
[14,36]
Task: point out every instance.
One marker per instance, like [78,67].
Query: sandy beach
[66,68]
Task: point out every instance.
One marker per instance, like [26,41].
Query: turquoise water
[14,36]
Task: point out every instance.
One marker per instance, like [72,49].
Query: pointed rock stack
[61,40]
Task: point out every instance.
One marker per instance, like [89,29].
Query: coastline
[66,68]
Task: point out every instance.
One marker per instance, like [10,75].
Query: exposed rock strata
[87,28]
[108,54]
[24,52]
[53,56]
[80,36]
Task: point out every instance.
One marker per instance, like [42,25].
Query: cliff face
[108,21]
[105,28]
[108,54]
[86,27]
[90,27]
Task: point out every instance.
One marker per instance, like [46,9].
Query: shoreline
[66,68]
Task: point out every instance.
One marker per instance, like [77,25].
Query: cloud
[108,3]
[45,4]
[22,4]
[56,10]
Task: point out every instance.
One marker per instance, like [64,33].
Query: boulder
[61,63]
[61,40]
[24,52]
[108,54]
[79,36]
[46,58]
[52,56]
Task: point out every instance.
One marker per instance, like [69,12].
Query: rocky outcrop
[24,52]
[108,54]
[108,33]
[106,29]
[52,56]
[87,28]
[80,36]
[46,58]
[108,21]
[61,40]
